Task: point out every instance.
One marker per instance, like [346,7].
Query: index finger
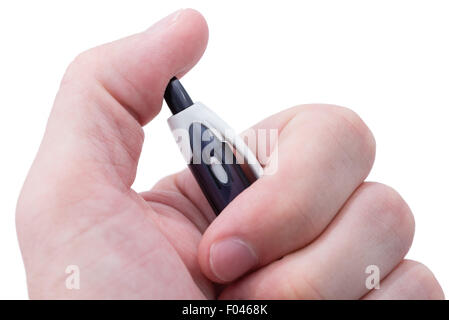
[324,153]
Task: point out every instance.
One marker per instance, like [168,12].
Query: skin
[315,212]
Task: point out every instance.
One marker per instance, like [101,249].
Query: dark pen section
[213,163]
[176,96]
[218,192]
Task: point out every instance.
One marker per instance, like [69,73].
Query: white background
[387,60]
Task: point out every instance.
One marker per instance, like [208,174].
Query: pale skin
[316,212]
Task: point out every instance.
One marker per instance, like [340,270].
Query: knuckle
[347,127]
[353,127]
[424,277]
[20,216]
[392,213]
[79,65]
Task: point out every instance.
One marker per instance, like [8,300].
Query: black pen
[219,159]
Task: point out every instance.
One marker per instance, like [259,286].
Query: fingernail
[167,21]
[231,258]
[175,15]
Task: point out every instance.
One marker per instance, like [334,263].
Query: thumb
[94,133]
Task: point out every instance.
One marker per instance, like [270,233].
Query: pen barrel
[216,168]
[221,162]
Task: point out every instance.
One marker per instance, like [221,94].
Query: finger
[169,192]
[324,153]
[135,70]
[374,228]
[76,204]
[94,134]
[186,183]
[410,280]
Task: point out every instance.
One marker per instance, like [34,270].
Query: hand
[316,213]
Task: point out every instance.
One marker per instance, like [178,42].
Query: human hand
[77,206]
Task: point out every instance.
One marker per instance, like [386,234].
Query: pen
[219,159]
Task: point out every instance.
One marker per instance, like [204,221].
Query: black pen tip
[176,96]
